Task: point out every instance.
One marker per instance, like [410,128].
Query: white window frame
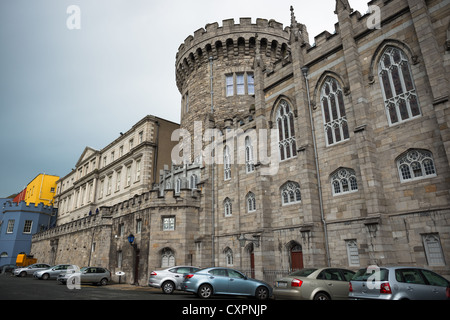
[249,162]
[392,100]
[10,228]
[250,202]
[333,112]
[228,208]
[229,83]
[226,163]
[290,193]
[27,227]
[345,179]
[286,131]
[168,223]
[416,161]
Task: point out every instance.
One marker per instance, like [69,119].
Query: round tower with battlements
[215,68]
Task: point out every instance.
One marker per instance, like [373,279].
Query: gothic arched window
[286,131]
[416,164]
[251,202]
[249,164]
[290,193]
[344,181]
[167,258]
[226,163]
[334,117]
[397,84]
[227,207]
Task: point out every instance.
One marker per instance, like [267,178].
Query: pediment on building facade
[87,153]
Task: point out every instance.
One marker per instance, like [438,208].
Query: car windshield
[379,274]
[302,272]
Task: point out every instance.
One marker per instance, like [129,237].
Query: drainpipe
[213,222]
[316,160]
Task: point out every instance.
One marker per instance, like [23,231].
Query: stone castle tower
[215,68]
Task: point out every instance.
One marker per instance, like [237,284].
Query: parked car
[212,281]
[30,270]
[314,284]
[96,275]
[397,283]
[7,268]
[170,279]
[52,272]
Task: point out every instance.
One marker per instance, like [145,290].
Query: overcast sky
[62,90]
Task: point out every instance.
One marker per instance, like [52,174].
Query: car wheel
[262,293]
[103,282]
[168,287]
[45,276]
[205,291]
[322,296]
[22,274]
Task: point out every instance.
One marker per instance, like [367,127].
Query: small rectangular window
[10,228]
[168,223]
[229,85]
[27,226]
[240,85]
[250,83]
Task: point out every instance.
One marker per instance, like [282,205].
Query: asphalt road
[28,288]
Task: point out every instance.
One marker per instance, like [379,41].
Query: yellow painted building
[41,189]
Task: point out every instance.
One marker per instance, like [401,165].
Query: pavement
[128,286]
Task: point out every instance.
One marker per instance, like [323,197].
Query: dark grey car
[398,283]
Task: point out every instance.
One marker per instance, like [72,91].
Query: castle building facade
[295,154]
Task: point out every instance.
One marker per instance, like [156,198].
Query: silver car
[398,283]
[96,275]
[170,279]
[314,284]
[52,272]
[29,270]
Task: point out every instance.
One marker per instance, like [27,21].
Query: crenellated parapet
[231,42]
[31,207]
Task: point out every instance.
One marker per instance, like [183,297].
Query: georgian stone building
[334,152]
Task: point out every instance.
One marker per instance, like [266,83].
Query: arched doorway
[295,255]
[251,254]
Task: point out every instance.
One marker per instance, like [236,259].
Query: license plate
[281,284]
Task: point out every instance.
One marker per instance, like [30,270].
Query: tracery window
[416,164]
[193,181]
[249,164]
[286,131]
[334,117]
[167,258]
[397,84]
[229,257]
[251,202]
[226,163]
[227,207]
[290,193]
[344,181]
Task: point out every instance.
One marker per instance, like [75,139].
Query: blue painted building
[18,222]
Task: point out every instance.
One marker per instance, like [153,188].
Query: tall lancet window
[286,131]
[334,117]
[397,84]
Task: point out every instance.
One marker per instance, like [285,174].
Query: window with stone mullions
[335,120]
[416,164]
[344,181]
[286,131]
[400,97]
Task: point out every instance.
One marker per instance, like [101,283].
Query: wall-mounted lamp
[242,240]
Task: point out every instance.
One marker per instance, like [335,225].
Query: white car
[30,270]
[170,279]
